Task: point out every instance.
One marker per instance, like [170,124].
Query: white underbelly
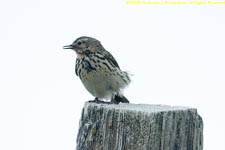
[103,84]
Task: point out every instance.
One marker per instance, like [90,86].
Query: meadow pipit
[99,71]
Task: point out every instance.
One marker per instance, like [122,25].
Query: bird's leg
[96,100]
[113,101]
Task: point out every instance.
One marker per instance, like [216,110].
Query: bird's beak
[68,47]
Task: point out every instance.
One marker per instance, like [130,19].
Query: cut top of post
[145,108]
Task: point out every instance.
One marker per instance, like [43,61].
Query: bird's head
[84,46]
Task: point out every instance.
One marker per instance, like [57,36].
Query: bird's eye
[79,43]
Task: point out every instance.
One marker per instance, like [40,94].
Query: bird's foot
[113,101]
[96,100]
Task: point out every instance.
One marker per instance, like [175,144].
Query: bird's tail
[121,98]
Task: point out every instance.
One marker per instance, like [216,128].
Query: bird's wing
[111,59]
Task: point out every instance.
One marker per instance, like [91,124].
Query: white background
[176,53]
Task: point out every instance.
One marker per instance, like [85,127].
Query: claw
[96,100]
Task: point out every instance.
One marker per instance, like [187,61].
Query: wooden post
[139,127]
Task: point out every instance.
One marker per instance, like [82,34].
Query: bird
[99,71]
